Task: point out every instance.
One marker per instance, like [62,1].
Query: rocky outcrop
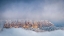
[27,24]
[38,26]
[45,23]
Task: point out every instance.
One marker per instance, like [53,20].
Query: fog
[23,32]
[33,10]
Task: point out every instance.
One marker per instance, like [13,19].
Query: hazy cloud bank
[22,32]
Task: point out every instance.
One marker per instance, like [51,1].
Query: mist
[52,10]
[22,32]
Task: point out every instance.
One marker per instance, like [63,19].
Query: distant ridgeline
[37,26]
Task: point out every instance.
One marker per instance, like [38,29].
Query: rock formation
[37,26]
[27,24]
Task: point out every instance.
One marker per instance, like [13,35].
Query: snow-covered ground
[22,32]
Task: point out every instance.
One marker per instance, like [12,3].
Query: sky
[52,10]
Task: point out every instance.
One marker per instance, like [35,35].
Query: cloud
[35,10]
[53,11]
[22,32]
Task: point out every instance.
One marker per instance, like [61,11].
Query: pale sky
[52,10]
